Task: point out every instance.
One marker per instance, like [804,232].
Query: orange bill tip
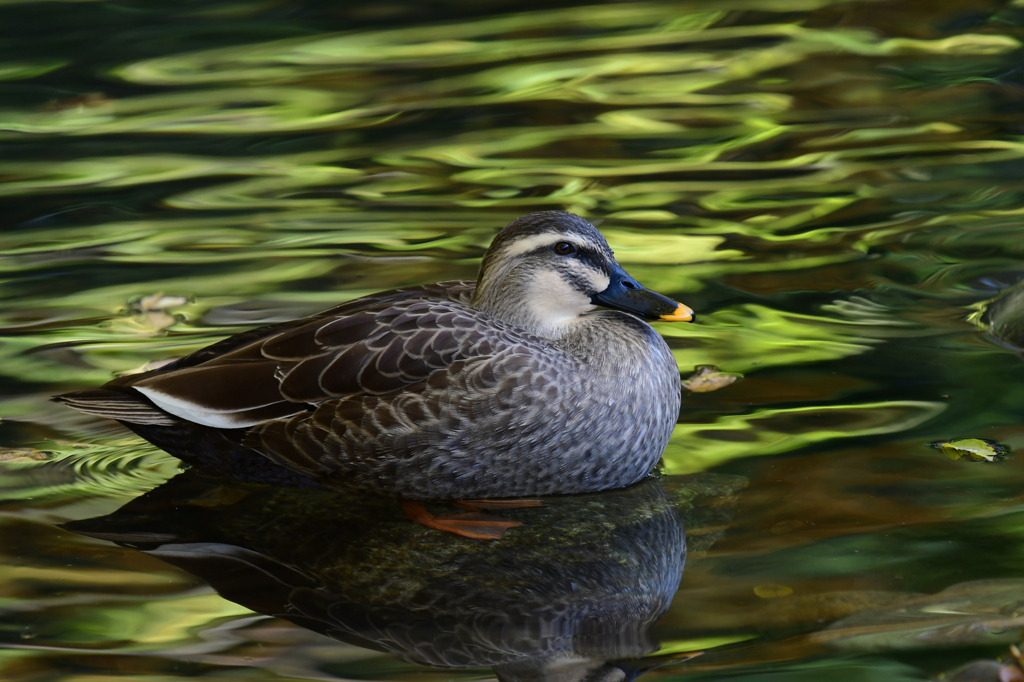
[680,314]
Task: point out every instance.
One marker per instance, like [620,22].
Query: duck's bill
[682,313]
[626,294]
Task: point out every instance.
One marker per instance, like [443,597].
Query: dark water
[835,188]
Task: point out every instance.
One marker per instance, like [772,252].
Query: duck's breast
[552,421]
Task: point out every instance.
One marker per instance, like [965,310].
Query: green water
[834,187]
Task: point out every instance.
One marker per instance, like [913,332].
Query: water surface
[835,188]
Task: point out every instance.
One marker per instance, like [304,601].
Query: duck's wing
[372,442]
[371,350]
[453,291]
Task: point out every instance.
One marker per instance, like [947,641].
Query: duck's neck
[555,329]
[612,340]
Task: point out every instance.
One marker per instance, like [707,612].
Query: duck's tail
[216,451]
[124,406]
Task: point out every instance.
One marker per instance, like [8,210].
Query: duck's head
[544,270]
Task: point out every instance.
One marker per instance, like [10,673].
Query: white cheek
[553,301]
[599,280]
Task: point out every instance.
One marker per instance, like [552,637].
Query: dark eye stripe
[591,257]
[580,283]
[597,261]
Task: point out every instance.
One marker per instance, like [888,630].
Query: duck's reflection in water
[569,595]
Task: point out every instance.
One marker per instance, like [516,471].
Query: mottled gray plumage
[506,387]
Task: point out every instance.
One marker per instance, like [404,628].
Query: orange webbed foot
[473,525]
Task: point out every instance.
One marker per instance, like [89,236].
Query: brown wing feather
[374,346]
[455,291]
[217,385]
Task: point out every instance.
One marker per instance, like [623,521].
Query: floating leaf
[972,449]
[154,302]
[707,378]
[23,455]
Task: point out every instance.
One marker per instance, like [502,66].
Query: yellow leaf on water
[972,449]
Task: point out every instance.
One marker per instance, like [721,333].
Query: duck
[542,377]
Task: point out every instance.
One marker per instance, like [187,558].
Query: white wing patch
[199,414]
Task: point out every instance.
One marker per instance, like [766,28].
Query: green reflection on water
[695,447]
[831,185]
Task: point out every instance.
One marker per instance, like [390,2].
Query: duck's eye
[564,248]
